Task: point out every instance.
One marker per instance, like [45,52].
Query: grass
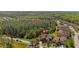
[70,43]
[54,33]
[19,44]
[11,43]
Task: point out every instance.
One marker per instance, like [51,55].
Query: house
[45,36]
[45,31]
[56,39]
[64,31]
[63,40]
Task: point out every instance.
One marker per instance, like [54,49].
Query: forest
[29,29]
